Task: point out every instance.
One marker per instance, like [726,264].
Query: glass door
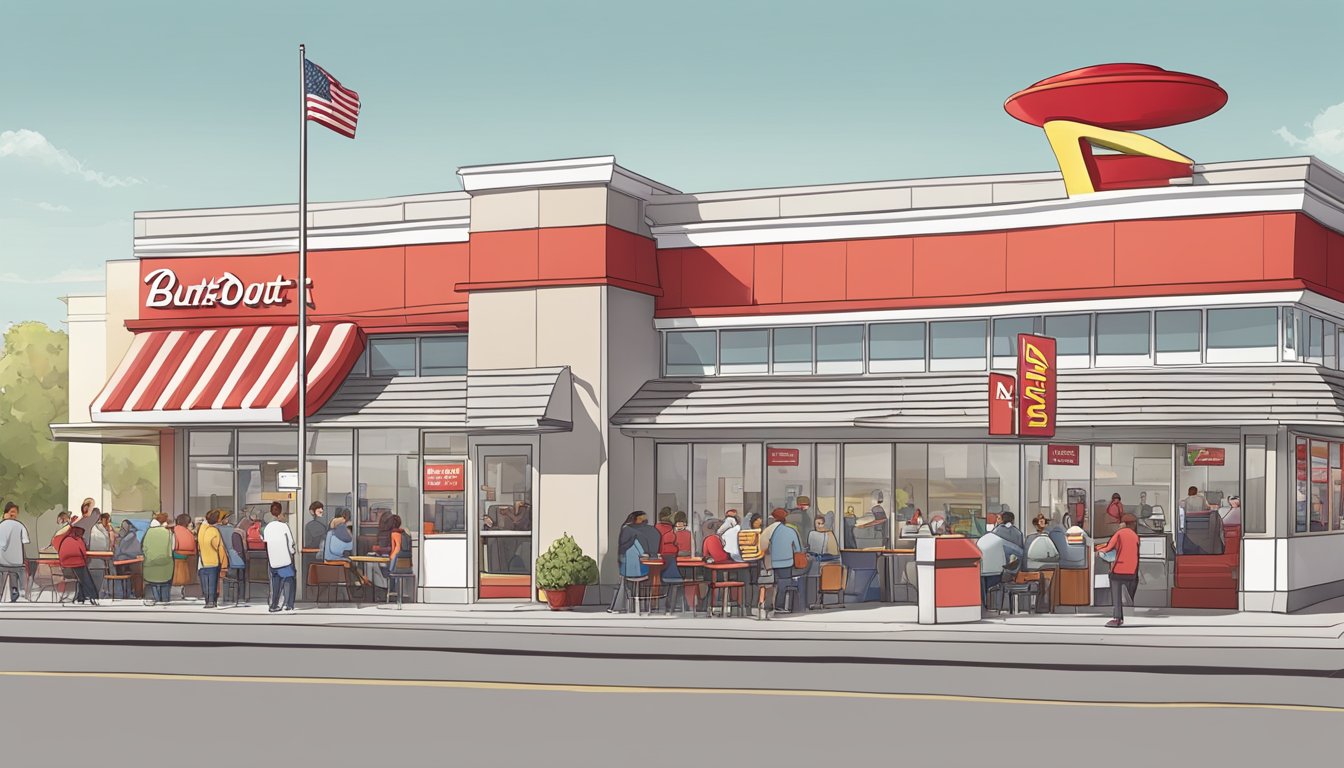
[504,505]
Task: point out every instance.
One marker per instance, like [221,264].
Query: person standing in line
[99,539]
[213,556]
[74,558]
[184,553]
[13,537]
[784,544]
[235,545]
[127,549]
[1124,575]
[280,557]
[157,547]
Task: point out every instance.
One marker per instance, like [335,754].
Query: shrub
[565,564]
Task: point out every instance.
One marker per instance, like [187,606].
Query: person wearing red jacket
[1124,567]
[73,556]
[667,533]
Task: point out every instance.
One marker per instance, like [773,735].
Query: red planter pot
[574,593]
[558,599]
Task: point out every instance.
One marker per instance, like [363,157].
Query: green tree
[131,473]
[34,375]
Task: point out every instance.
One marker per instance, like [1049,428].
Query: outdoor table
[137,576]
[370,560]
[714,570]
[691,564]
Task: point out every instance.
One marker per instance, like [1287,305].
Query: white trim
[1077,306]
[907,365]
[284,240]
[1178,358]
[220,416]
[1241,355]
[1121,205]
[1123,361]
[957,614]
[556,173]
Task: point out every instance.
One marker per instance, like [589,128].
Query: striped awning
[226,375]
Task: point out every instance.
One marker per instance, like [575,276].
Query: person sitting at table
[382,544]
[821,543]
[727,533]
[681,536]
[1042,554]
[401,545]
[630,547]
[337,547]
[714,550]
[98,538]
[74,559]
[997,548]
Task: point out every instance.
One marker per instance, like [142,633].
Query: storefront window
[957,345]
[957,486]
[1318,516]
[209,485]
[828,485]
[1140,474]
[840,349]
[1002,482]
[792,350]
[691,353]
[444,482]
[1178,333]
[1214,471]
[205,443]
[1335,500]
[443,356]
[788,483]
[895,347]
[912,480]
[392,357]
[268,442]
[1289,334]
[867,496]
[1123,338]
[389,483]
[1243,334]
[725,476]
[1006,330]
[1301,490]
[744,352]
[671,480]
[445,443]
[1073,339]
[1331,336]
[1059,483]
[1255,501]
[1316,341]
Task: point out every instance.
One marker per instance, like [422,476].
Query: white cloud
[54,207]
[1326,137]
[62,277]
[31,145]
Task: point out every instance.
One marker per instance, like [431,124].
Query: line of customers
[774,552]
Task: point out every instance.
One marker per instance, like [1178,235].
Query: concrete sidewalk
[1321,627]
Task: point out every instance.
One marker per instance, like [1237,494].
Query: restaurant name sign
[1037,385]
[227,290]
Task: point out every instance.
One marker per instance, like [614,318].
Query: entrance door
[504,509]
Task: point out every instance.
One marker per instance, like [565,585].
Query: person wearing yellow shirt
[213,554]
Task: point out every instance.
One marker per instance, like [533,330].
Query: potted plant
[564,572]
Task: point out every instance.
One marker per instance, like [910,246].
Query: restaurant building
[566,341]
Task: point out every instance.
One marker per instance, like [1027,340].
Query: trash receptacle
[949,580]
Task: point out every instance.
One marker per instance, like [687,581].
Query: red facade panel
[961,265]
[813,272]
[433,272]
[769,276]
[1171,251]
[719,279]
[1061,258]
[879,269]
[565,252]
[505,256]
[1311,251]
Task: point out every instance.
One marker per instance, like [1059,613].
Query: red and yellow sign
[1002,391]
[445,477]
[1037,385]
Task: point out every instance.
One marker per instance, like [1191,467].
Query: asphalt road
[500,697]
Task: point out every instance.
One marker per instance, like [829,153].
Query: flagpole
[302,293]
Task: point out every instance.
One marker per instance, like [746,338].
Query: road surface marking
[588,688]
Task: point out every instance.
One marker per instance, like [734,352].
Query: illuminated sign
[1002,388]
[1064,455]
[781,457]
[1037,380]
[227,290]
[445,477]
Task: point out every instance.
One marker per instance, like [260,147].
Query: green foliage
[565,564]
[34,372]
[131,473]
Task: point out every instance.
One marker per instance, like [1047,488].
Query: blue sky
[113,108]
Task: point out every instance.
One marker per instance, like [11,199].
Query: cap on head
[779,514]
[803,501]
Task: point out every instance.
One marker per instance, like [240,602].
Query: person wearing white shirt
[728,532]
[13,537]
[280,554]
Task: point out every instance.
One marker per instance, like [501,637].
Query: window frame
[713,367]
[944,364]
[1118,360]
[899,364]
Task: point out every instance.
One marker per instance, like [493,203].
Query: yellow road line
[580,688]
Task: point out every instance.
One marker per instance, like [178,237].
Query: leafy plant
[565,564]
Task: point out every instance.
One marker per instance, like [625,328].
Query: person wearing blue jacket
[637,538]
[784,543]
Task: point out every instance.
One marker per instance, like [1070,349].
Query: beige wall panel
[493,211]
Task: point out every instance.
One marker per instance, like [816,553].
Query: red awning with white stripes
[226,375]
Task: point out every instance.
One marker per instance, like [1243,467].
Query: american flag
[329,102]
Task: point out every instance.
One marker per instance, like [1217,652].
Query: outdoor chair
[49,577]
[238,585]
[632,596]
[1015,585]
[833,579]
[397,575]
[724,590]
[110,583]
[328,576]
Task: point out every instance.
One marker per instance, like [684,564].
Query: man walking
[1124,576]
[280,555]
[13,536]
